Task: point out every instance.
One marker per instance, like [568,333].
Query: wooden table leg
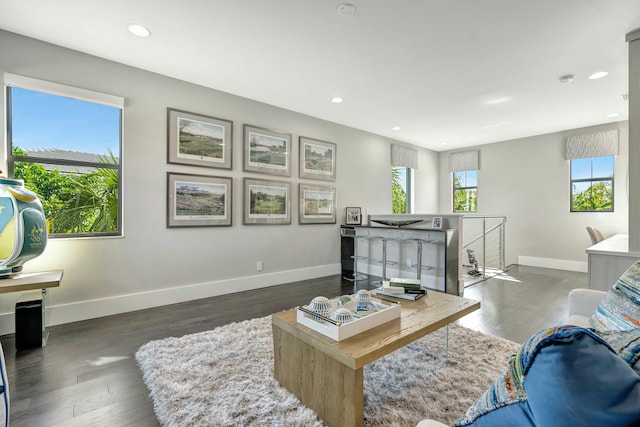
[333,390]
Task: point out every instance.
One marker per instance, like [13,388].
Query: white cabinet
[608,260]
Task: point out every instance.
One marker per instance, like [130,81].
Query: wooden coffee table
[327,375]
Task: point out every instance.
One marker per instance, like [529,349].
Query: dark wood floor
[522,301]
[87,375]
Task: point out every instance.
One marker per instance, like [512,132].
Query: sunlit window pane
[465,191]
[592,184]
[401,189]
[75,146]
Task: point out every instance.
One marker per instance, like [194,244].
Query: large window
[592,184]
[465,191]
[401,189]
[67,148]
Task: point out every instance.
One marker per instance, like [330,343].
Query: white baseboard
[84,310]
[558,264]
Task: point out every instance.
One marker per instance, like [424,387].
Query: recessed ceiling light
[612,115]
[395,128]
[598,75]
[346,9]
[139,30]
[495,125]
[567,78]
[444,143]
[496,101]
[337,100]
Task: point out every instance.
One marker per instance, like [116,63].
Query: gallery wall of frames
[197,200]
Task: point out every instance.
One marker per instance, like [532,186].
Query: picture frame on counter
[198,200]
[317,159]
[317,204]
[353,216]
[266,202]
[436,222]
[198,140]
[266,151]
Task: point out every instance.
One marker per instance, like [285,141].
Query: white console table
[608,260]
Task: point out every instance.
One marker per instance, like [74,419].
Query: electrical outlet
[409,262]
[259,266]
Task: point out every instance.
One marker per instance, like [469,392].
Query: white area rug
[224,377]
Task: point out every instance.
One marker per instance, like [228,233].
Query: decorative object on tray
[317,159]
[198,140]
[321,306]
[343,315]
[373,313]
[397,222]
[267,151]
[317,204]
[362,297]
[347,301]
[364,305]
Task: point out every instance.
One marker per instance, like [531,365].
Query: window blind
[464,161]
[596,144]
[63,90]
[404,156]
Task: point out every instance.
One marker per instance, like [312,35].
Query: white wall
[527,180]
[152,265]
[426,183]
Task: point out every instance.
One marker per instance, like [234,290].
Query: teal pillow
[619,310]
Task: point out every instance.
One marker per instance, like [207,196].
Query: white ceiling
[436,68]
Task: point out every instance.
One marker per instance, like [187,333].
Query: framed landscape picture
[317,159]
[266,202]
[317,204]
[198,200]
[267,151]
[197,140]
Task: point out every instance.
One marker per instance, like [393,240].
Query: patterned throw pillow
[626,344]
[504,403]
[619,310]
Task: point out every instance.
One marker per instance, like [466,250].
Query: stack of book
[410,289]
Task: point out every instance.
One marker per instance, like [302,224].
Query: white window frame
[23,82]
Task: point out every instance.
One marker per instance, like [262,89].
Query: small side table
[30,281]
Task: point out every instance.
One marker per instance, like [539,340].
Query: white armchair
[582,304]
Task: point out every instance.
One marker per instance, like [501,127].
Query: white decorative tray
[341,331]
